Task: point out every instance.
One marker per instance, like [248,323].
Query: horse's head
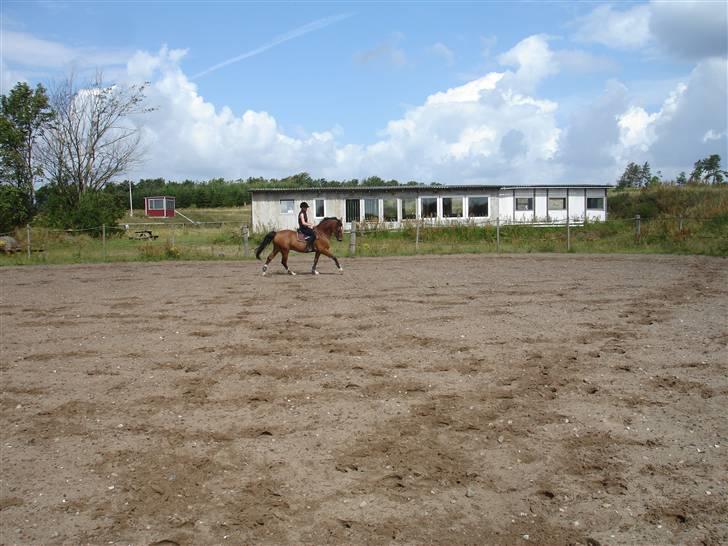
[333,226]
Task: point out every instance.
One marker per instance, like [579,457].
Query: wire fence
[132,242]
[669,234]
[152,241]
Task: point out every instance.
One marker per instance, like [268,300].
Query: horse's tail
[264,243]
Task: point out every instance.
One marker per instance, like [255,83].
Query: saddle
[304,239]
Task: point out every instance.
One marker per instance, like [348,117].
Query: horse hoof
[314,272]
[291,273]
[341,270]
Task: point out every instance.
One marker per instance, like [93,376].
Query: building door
[353,212]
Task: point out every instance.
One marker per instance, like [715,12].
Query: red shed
[159,206]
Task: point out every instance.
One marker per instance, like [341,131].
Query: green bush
[15,210]
[90,210]
[693,200]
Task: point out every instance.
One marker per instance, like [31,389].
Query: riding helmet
[304,205]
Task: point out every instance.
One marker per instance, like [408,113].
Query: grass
[229,215]
[661,236]
[683,221]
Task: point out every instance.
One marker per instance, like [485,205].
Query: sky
[449,92]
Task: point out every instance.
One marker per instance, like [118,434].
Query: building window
[371,210]
[557,203]
[429,207]
[319,208]
[156,204]
[524,203]
[390,210]
[286,206]
[595,203]
[478,207]
[409,209]
[353,212]
[452,207]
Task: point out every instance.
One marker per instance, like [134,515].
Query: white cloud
[574,60]
[712,135]
[635,128]
[27,50]
[692,30]
[443,52]
[496,128]
[486,129]
[690,124]
[627,29]
[388,52]
[469,92]
[535,61]
[688,113]
[688,29]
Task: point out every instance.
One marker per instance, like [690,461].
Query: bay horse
[286,240]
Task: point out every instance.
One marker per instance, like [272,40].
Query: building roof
[455,187]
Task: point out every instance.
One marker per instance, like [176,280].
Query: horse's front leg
[315,261]
[336,261]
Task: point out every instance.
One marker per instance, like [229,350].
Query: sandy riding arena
[530,399]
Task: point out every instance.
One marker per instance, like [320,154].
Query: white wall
[576,204]
[523,216]
[595,214]
[557,215]
[267,213]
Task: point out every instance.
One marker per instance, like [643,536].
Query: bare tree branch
[92,139]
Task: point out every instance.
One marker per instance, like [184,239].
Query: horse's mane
[329,218]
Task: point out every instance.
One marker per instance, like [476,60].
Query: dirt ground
[530,399]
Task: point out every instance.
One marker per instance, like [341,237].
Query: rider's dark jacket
[307,231]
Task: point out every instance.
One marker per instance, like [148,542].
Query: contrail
[300,31]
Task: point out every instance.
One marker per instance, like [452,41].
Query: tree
[93,209]
[636,176]
[708,170]
[24,116]
[681,179]
[15,209]
[92,138]
[631,176]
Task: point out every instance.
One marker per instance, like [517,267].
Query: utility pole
[131,207]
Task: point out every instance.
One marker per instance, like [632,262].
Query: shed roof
[455,187]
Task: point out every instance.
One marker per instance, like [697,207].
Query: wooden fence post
[352,239]
[637,226]
[568,235]
[497,233]
[417,237]
[246,234]
[27,229]
[103,239]
[681,224]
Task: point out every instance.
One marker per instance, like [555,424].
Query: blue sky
[476,92]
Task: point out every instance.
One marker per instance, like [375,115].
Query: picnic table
[143,235]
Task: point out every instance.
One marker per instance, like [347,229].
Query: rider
[305,227]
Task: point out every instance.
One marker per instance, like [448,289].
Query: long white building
[391,206]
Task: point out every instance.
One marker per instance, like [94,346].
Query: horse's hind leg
[284,261]
[315,261]
[269,258]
